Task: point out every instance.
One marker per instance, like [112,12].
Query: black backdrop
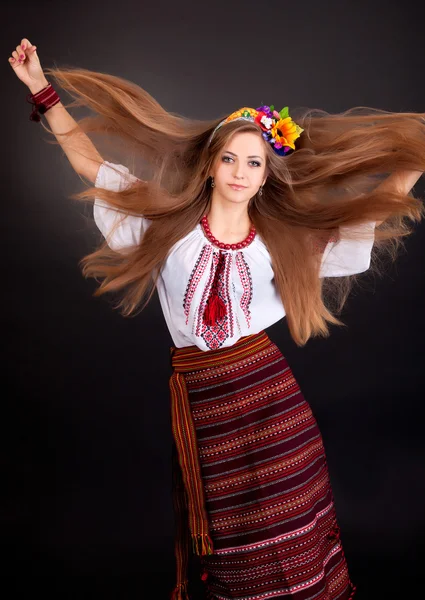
[86,507]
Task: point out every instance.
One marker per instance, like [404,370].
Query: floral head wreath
[278,129]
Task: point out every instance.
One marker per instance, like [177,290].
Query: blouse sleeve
[119,230]
[349,256]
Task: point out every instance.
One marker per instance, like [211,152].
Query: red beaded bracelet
[42,101]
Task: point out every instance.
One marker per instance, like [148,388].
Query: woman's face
[242,162]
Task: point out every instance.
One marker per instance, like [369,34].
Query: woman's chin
[239,197]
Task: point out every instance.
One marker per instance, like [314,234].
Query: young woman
[242,221]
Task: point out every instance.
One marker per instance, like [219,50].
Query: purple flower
[266,109]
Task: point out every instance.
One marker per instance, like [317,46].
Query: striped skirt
[265,483]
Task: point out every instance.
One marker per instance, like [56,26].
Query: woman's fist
[25,63]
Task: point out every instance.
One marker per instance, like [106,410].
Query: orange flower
[285,132]
[242,112]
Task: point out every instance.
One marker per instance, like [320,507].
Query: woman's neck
[229,223]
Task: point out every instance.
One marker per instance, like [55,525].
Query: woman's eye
[255,162]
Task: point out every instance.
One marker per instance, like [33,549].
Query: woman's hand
[26,64]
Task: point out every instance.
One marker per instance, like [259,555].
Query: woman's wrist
[43,97]
[37,87]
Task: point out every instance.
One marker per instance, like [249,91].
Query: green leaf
[272,107]
[284,113]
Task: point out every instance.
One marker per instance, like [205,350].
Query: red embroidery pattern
[319,244]
[215,335]
[195,277]
[246,280]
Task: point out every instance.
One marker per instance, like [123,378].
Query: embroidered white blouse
[247,286]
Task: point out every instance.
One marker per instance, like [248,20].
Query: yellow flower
[285,131]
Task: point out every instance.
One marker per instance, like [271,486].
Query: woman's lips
[237,187]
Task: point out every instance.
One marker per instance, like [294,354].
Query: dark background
[86,504]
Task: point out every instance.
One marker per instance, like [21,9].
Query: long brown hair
[329,182]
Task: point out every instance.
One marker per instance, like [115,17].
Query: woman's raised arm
[78,147]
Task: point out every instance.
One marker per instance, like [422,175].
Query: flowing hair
[317,194]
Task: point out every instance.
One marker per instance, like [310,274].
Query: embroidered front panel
[215,335]
[195,277]
[246,281]
[237,323]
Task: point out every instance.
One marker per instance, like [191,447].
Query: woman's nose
[239,171]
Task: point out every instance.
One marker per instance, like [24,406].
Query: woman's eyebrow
[252,156]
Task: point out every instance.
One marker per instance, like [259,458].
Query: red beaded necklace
[213,240]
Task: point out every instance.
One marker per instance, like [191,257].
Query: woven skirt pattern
[266,484]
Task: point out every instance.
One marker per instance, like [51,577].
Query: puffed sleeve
[349,256]
[129,228]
